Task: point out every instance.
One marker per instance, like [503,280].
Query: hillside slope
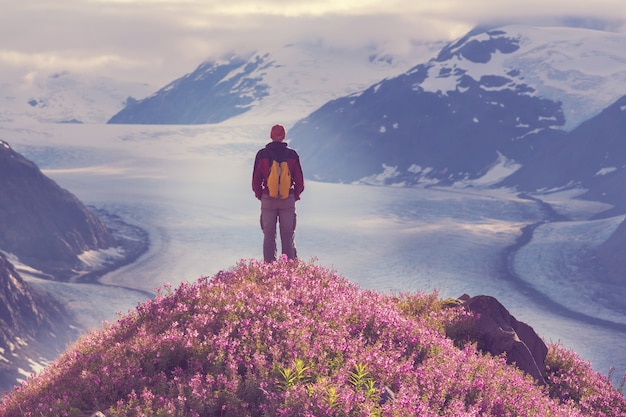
[294,339]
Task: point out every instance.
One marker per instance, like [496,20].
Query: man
[281,210]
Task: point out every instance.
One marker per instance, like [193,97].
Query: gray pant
[284,212]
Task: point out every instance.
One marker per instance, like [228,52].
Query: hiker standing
[277,181]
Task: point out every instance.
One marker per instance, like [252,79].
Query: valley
[170,182]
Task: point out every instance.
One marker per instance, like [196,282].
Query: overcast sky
[156,41]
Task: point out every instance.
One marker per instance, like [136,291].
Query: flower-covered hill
[294,339]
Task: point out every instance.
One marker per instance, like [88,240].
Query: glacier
[189,188]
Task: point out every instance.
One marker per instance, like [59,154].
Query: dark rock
[386,394]
[500,333]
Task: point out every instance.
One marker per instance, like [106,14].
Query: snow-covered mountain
[494,99]
[287,83]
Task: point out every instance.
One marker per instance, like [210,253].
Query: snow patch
[37,367]
[22,268]
[415,169]
[436,83]
[97,258]
[24,373]
[499,171]
[605,171]
[381,178]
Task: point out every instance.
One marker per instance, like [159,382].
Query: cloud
[156,41]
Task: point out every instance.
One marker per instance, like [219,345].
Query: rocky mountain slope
[33,328]
[44,229]
[590,157]
[217,90]
[42,224]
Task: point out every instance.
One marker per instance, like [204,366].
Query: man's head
[278,133]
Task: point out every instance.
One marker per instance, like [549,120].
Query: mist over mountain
[66,97]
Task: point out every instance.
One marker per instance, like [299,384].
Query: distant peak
[479,46]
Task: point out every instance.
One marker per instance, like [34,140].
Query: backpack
[279,179]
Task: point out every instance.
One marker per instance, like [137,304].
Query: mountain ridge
[285,82]
[448,120]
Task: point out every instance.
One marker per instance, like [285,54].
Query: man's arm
[257,177]
[298,179]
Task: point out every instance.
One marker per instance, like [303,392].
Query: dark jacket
[278,151]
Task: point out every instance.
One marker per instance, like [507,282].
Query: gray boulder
[498,332]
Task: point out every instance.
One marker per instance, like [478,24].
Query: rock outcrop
[498,332]
[42,224]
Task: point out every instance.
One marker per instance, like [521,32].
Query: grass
[294,339]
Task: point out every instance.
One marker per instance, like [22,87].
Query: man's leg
[269,215]
[287,219]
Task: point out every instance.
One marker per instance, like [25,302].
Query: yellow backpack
[279,180]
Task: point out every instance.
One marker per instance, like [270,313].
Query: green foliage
[332,397]
[290,377]
[359,376]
